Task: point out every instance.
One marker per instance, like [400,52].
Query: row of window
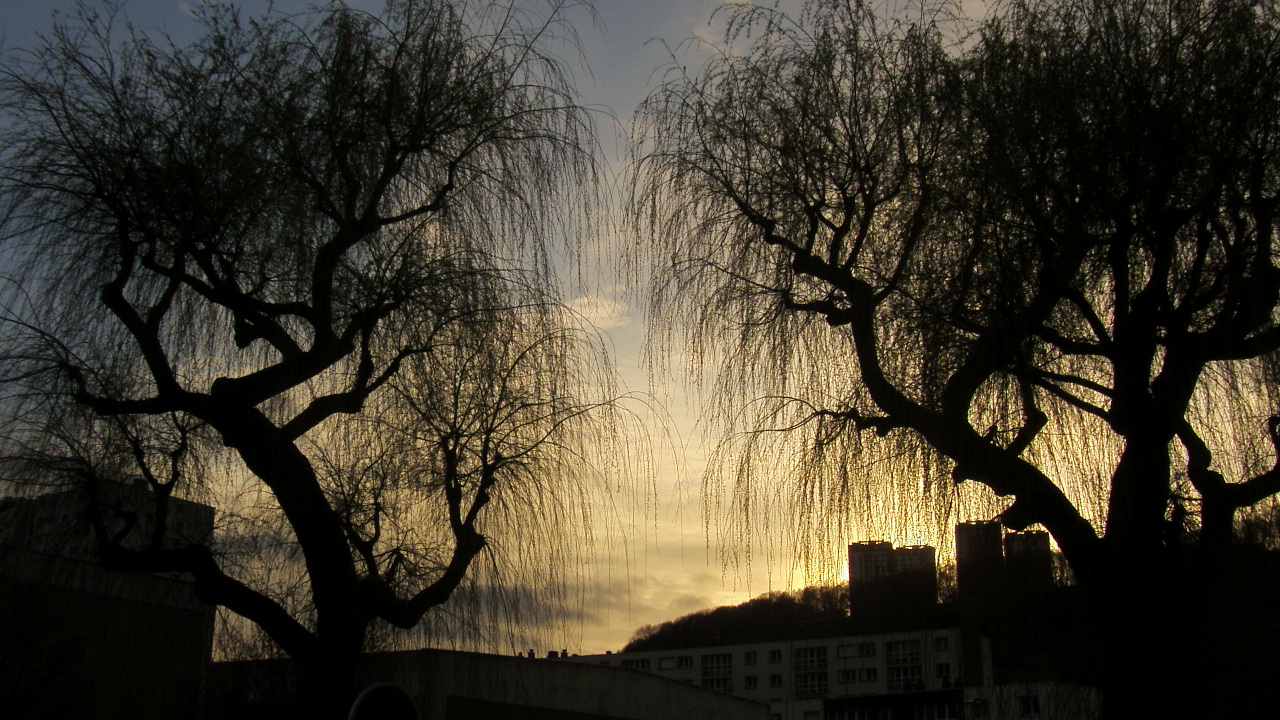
[846,677]
[903,652]
[892,648]
[1028,706]
[905,678]
[897,652]
[940,711]
[814,684]
[750,682]
[810,684]
[813,658]
[717,665]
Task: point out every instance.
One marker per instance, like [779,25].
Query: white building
[913,675]
[1042,700]
[916,674]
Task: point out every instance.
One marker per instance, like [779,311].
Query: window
[717,665]
[978,709]
[667,663]
[866,674]
[812,715]
[941,644]
[945,711]
[723,684]
[846,651]
[867,649]
[749,657]
[904,678]
[902,652]
[813,658]
[944,670]
[775,681]
[775,656]
[749,682]
[845,677]
[811,684]
[1029,705]
[684,662]
[904,673]
[638,664]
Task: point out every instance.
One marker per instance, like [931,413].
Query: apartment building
[916,674]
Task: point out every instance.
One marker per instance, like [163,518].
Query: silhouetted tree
[1041,256]
[321,242]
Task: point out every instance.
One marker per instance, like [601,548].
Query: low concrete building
[80,641]
[451,685]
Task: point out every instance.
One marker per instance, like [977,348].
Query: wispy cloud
[601,312]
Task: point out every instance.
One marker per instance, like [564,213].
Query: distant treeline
[816,611]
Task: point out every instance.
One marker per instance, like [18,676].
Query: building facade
[888,582]
[80,641]
[979,560]
[923,671]
[452,685]
[1028,561]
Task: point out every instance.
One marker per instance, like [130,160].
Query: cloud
[601,312]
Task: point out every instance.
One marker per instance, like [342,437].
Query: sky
[661,563]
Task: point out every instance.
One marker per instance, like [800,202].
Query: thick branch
[216,588]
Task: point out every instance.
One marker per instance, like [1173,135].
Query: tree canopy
[815,611]
[1036,252]
[305,258]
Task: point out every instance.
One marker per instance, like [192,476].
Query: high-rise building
[979,560]
[1028,561]
[870,560]
[886,582]
[915,558]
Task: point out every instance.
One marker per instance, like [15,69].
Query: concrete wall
[448,685]
[435,676]
[79,641]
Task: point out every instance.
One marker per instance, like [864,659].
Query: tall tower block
[1028,560]
[871,560]
[979,559]
[891,586]
[917,570]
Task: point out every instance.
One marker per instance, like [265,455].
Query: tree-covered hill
[812,612]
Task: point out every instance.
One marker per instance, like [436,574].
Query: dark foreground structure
[80,641]
[451,685]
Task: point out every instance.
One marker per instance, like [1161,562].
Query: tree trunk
[1146,657]
[327,683]
[1190,634]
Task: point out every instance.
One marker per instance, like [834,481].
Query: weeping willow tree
[503,416]
[301,268]
[1035,254]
